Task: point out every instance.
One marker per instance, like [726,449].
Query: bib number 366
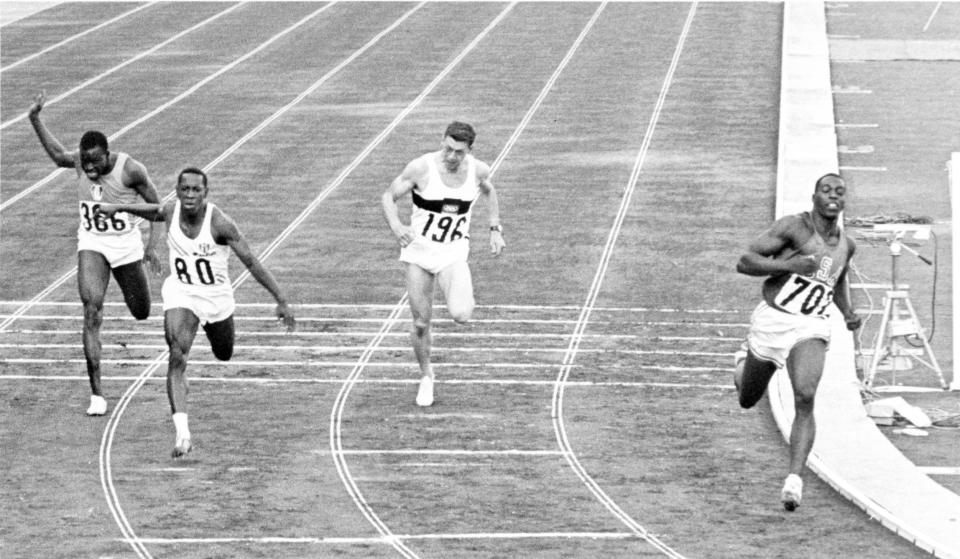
[91,221]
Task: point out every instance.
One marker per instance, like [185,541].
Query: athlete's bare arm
[497,243]
[150,212]
[225,231]
[400,187]
[51,144]
[759,259]
[841,292]
[135,176]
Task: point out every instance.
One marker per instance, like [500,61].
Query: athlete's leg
[457,286]
[752,380]
[221,335]
[805,366]
[180,327]
[93,276]
[136,290]
[420,288]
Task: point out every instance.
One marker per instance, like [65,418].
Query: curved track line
[77,36]
[559,387]
[184,94]
[336,436]
[124,64]
[107,440]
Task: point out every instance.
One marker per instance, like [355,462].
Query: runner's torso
[199,264]
[809,295]
[108,189]
[441,214]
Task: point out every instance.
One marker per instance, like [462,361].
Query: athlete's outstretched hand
[497,244]
[285,315]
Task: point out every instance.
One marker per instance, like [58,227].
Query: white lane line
[107,440]
[124,64]
[387,307]
[381,349]
[933,14]
[564,373]
[388,540]
[940,470]
[184,94]
[310,319]
[851,125]
[77,36]
[452,382]
[856,168]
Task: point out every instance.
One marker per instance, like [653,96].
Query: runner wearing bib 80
[443,186]
[105,246]
[198,292]
[805,258]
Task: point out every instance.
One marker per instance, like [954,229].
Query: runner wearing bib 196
[105,246]
[805,259]
[435,246]
[198,291]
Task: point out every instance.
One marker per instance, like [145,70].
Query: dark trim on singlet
[445,205]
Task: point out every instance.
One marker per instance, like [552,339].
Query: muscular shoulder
[482,170]
[416,171]
[134,173]
[222,227]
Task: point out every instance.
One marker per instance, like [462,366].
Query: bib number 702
[807,297]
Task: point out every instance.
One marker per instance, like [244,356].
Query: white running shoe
[98,405]
[425,393]
[182,447]
[792,492]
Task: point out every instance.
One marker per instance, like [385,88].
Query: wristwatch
[497,228]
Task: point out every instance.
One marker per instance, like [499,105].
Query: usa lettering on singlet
[108,190]
[200,265]
[812,295]
[442,214]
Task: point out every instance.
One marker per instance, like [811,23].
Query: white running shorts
[773,333]
[434,257]
[209,308]
[117,249]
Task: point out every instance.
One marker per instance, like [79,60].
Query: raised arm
[400,187]
[225,231]
[51,144]
[497,244]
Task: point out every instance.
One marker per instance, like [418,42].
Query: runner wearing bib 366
[805,258]
[435,246]
[105,246]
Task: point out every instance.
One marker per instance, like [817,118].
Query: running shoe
[182,447]
[792,492]
[425,393]
[98,405]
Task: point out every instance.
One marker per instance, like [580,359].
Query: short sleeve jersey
[200,264]
[442,214]
[109,189]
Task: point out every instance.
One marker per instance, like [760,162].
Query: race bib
[116,224]
[446,227]
[804,296]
